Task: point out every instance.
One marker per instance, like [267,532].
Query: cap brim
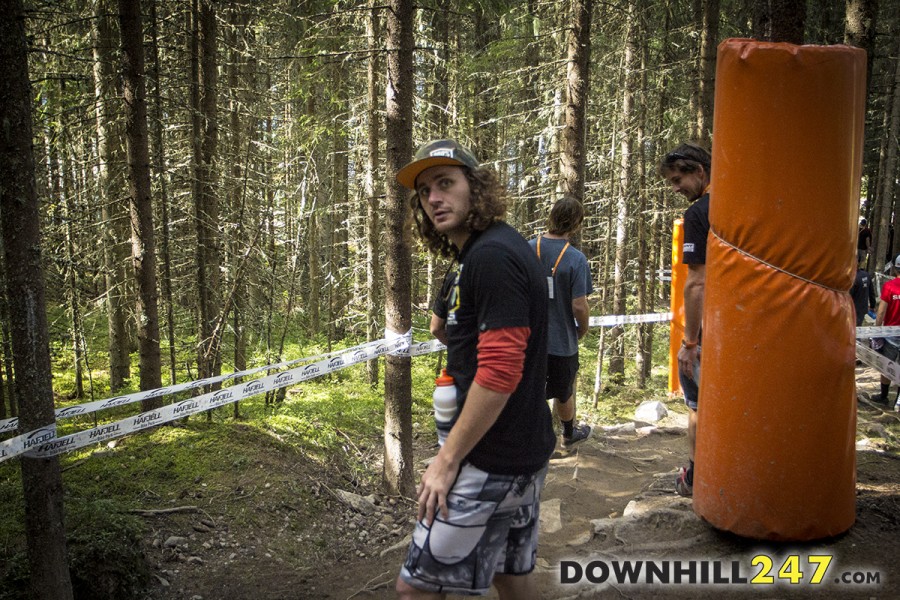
[407,175]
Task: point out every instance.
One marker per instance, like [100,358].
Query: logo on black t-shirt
[453,299]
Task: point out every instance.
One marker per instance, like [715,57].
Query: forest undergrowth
[281,464]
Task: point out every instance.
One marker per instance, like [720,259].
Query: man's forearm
[582,313]
[480,411]
[693,310]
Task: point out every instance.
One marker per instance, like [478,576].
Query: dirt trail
[611,499]
[588,491]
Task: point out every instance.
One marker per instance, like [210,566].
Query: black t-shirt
[439,307]
[696,230]
[500,283]
[865,234]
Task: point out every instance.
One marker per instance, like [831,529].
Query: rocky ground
[612,499]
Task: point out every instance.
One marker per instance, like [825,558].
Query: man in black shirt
[479,498]
[687,169]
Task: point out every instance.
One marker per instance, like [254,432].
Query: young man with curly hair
[479,499]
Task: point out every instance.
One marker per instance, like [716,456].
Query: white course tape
[392,336]
[89,407]
[867,333]
[613,320]
[879,362]
[25,442]
[420,348]
[44,442]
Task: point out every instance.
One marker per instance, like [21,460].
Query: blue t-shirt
[571,280]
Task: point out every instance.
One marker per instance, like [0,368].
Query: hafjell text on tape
[43,441]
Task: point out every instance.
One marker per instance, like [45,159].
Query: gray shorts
[691,387]
[492,528]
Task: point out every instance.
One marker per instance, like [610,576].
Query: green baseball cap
[432,154]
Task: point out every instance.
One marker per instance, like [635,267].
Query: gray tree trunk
[626,193]
[20,224]
[159,154]
[207,201]
[886,193]
[373,212]
[398,456]
[646,276]
[574,157]
[6,339]
[143,239]
[109,170]
[860,19]
[709,39]
[788,20]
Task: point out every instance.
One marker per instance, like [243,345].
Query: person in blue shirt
[568,285]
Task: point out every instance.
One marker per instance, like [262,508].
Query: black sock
[568,427]
[885,387]
[689,474]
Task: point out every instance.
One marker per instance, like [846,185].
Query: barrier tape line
[613,320]
[879,362]
[43,442]
[867,333]
[93,406]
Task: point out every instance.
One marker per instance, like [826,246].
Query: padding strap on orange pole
[676,303]
[775,455]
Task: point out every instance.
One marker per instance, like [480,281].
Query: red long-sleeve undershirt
[501,358]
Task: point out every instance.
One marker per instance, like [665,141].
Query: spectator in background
[569,284]
[864,242]
[687,169]
[890,244]
[888,315]
[863,293]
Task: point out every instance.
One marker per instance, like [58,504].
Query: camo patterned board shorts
[691,387]
[492,528]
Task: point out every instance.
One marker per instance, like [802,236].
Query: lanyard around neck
[558,258]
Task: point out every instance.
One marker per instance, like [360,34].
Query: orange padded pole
[775,454]
[676,303]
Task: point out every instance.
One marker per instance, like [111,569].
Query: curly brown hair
[487,204]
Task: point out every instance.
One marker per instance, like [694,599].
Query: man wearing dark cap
[479,498]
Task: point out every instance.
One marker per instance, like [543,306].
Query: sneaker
[682,487]
[580,433]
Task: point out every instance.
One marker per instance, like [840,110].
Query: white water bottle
[444,405]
